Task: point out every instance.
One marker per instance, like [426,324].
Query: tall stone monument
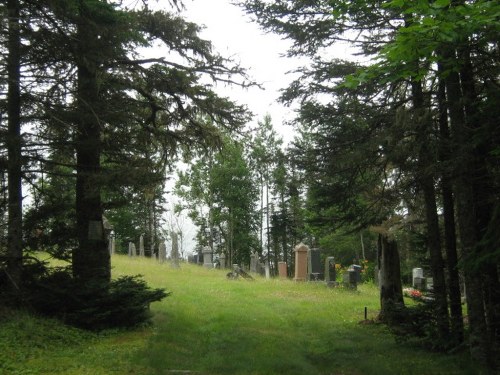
[131,249]
[301,262]
[141,245]
[175,251]
[162,252]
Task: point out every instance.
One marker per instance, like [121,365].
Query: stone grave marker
[112,244]
[254,259]
[314,267]
[282,270]
[131,249]
[357,268]
[330,271]
[141,245]
[418,280]
[300,262]
[174,255]
[207,257]
[350,278]
[162,252]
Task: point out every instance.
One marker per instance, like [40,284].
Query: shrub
[121,303]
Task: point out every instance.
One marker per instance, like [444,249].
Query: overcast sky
[233,34]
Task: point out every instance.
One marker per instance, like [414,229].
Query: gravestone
[162,252]
[261,269]
[222,261]
[141,245]
[418,280]
[131,249]
[330,271]
[357,269]
[175,251]
[254,258]
[154,254]
[282,270]
[207,257]
[112,244]
[267,270]
[429,283]
[300,262]
[314,267]
[350,279]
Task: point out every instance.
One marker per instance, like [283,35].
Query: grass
[211,325]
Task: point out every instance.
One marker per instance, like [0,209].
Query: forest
[395,158]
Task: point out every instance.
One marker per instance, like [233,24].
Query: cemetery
[181,196]
[214,324]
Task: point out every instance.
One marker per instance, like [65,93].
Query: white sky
[234,35]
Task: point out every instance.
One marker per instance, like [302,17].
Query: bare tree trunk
[479,340]
[391,291]
[14,165]
[450,243]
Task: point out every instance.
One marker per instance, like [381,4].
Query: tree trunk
[91,260]
[425,179]
[485,193]
[14,166]
[391,291]
[466,214]
[450,243]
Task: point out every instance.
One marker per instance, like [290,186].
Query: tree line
[396,151]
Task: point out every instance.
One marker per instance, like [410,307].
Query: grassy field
[210,325]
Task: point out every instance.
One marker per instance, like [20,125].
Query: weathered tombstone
[301,262]
[154,254]
[330,271]
[282,270]
[254,258]
[357,269]
[162,252]
[111,244]
[429,283]
[314,268]
[350,279]
[152,250]
[418,281]
[222,261]
[174,255]
[207,257]
[131,249]
[267,270]
[261,269]
[141,245]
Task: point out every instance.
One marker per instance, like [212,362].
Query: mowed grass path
[211,325]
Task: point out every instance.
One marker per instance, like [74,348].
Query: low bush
[122,303]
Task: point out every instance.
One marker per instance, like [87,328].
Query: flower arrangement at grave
[412,293]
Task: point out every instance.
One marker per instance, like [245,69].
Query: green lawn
[210,325]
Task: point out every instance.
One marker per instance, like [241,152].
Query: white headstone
[131,249]
[162,252]
[207,257]
[141,245]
